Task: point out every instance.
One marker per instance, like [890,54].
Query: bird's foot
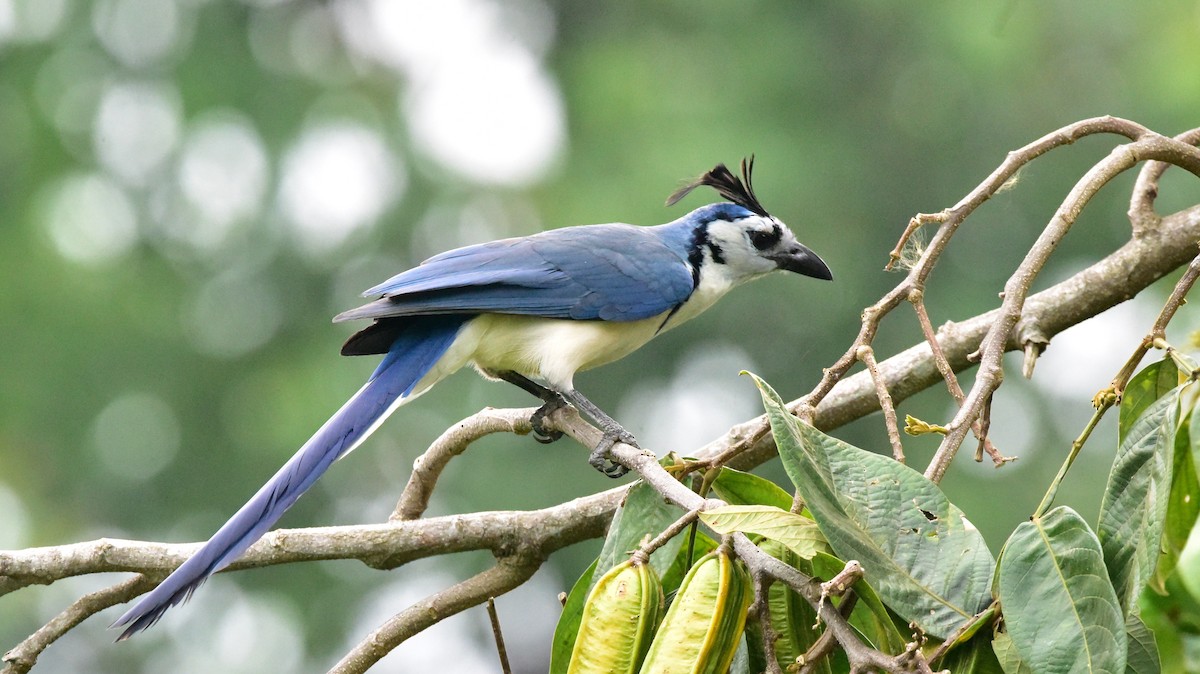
[601,456]
[540,432]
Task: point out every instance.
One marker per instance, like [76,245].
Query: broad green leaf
[738,488]
[642,513]
[1143,649]
[568,623]
[795,531]
[973,657]
[1006,654]
[928,563]
[870,617]
[1059,607]
[1183,505]
[1134,506]
[1153,382]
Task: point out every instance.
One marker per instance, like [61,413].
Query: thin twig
[825,643]
[507,574]
[844,580]
[454,441]
[995,343]
[646,549]
[949,221]
[867,355]
[917,298]
[24,655]
[1159,329]
[1111,396]
[499,635]
[1141,203]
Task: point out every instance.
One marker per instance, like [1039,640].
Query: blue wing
[413,353]
[605,272]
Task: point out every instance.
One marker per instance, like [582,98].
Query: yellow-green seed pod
[619,620]
[704,625]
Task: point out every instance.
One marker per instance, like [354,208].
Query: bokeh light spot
[337,178]
[223,175]
[137,32]
[479,100]
[90,219]
[232,315]
[136,436]
[699,403]
[136,129]
[499,121]
[30,20]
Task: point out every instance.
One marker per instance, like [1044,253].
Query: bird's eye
[764,240]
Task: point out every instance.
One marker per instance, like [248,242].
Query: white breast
[552,350]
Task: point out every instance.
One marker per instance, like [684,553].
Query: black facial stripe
[696,254]
[718,255]
[764,240]
[700,241]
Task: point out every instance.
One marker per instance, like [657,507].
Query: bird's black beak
[801,260]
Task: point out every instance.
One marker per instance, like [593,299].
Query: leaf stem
[1105,403]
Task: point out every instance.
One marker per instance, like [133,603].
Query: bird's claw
[538,419]
[601,456]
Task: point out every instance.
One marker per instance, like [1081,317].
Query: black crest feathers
[739,191]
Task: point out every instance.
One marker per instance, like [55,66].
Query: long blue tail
[415,351]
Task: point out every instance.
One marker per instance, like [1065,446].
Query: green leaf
[928,563]
[568,623]
[1006,654]
[738,488]
[976,656]
[642,513]
[1134,506]
[1147,386]
[1059,607]
[870,617]
[1183,503]
[795,531]
[1143,649]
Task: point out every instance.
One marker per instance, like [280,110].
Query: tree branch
[24,656]
[509,573]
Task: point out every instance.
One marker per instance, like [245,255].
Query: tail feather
[414,352]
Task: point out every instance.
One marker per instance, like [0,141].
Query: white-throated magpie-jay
[531,310]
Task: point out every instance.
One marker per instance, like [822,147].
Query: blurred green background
[189,189]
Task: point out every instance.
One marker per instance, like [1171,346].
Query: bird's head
[741,235]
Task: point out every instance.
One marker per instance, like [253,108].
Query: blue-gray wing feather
[605,272]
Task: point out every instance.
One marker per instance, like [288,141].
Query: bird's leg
[551,401]
[601,459]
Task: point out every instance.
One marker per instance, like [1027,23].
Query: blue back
[612,272]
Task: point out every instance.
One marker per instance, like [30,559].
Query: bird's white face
[744,249]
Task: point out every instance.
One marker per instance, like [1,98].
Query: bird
[531,310]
